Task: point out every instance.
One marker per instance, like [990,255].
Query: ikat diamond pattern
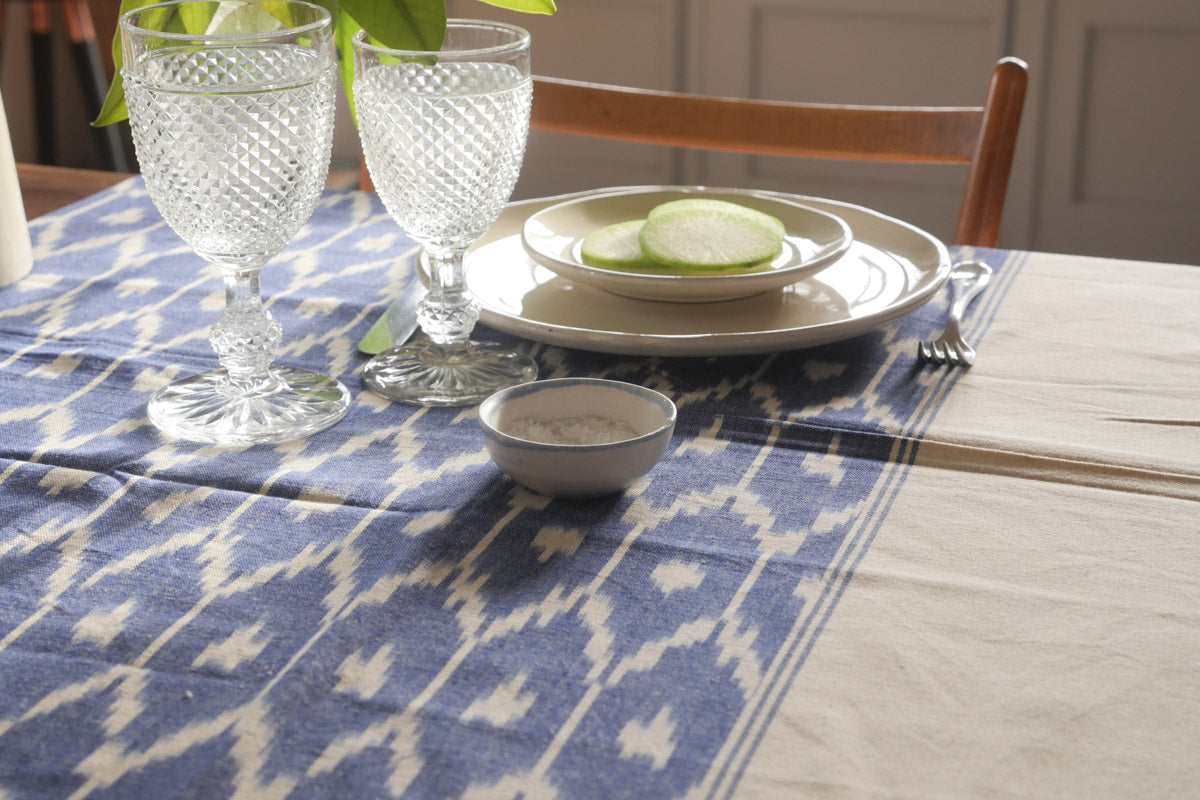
[377,611]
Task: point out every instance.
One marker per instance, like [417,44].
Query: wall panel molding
[851,51]
[1121,172]
[1106,162]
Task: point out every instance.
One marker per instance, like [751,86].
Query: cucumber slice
[616,246]
[705,238]
[709,204]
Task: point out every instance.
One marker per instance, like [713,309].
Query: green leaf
[281,10]
[191,18]
[528,6]
[114,109]
[195,17]
[114,102]
[247,19]
[345,29]
[401,24]
[379,338]
[332,7]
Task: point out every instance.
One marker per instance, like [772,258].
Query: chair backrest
[983,137]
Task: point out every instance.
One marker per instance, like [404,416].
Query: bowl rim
[491,403]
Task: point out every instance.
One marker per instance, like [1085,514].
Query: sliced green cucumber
[709,238]
[709,204]
[616,246]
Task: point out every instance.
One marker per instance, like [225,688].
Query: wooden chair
[982,137]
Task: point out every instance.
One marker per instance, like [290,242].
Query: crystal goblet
[444,135]
[231,108]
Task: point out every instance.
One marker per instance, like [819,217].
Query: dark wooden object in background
[45,189]
[983,137]
[93,71]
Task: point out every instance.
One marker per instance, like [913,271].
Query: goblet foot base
[209,408]
[431,375]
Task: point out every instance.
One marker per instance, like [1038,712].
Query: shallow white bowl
[554,237]
[576,470]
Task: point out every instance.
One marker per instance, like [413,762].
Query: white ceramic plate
[890,269]
[554,236]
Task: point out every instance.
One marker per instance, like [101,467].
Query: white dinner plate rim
[746,342]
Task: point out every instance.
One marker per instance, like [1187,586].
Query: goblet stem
[245,336]
[449,369]
[248,401]
[447,315]
[233,127]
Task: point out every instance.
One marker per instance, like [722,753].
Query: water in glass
[446,142]
[444,136]
[232,117]
[233,172]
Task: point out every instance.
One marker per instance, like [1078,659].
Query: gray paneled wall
[1107,163]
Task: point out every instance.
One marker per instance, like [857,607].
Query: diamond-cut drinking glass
[444,136]
[231,108]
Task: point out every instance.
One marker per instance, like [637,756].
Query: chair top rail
[879,133]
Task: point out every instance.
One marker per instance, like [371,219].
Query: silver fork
[967,279]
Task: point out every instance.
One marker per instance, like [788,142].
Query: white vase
[16,253]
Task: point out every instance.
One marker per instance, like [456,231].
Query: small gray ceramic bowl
[546,435]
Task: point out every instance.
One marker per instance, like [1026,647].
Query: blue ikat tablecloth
[376,610]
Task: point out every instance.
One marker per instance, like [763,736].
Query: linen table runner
[377,610]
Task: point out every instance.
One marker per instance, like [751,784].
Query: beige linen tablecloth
[850,575]
[1027,621]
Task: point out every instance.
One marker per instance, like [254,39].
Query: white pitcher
[16,253]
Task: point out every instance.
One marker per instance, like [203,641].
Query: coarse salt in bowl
[576,437]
